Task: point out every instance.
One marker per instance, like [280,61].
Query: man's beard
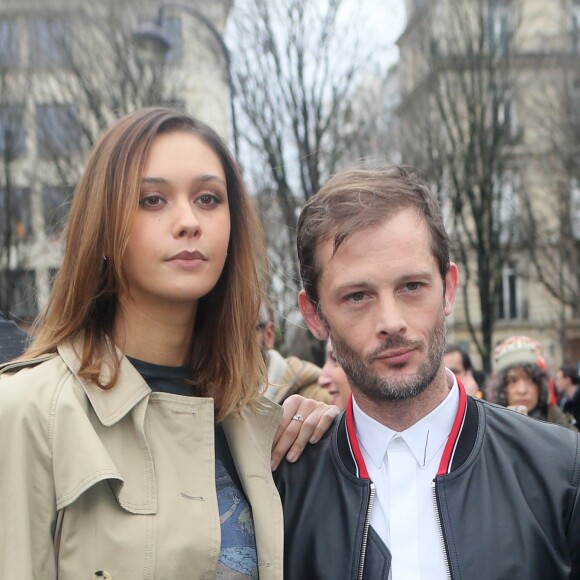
[398,388]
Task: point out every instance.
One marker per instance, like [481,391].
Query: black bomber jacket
[506,496]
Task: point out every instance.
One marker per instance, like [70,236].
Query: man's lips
[397,356]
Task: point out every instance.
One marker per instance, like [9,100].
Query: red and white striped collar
[448,452]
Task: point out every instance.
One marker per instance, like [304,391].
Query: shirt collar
[424,438]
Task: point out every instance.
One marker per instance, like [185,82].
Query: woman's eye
[209,199]
[151,201]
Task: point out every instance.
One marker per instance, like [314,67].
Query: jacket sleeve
[27,495]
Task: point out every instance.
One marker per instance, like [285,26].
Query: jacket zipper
[440,530]
[365,537]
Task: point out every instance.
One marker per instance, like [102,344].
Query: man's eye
[412,286]
[356,296]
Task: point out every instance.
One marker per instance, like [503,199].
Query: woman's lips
[188,259]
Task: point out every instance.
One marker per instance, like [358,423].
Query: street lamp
[150,36]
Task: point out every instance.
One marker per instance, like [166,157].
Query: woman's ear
[312,317]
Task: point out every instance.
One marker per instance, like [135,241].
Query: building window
[504,112]
[55,202]
[8,43]
[12,142]
[499,26]
[15,224]
[172,32]
[509,294]
[57,130]
[505,193]
[575,101]
[575,22]
[575,207]
[49,41]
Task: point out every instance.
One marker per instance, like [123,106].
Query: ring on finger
[298,417]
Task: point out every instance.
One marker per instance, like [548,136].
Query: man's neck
[400,415]
[571,391]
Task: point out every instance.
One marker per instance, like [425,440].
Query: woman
[523,384]
[334,379]
[136,411]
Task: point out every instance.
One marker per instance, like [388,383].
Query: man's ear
[451,283]
[269,335]
[311,317]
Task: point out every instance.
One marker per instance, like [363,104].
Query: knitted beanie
[517,350]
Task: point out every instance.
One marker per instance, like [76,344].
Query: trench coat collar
[110,405]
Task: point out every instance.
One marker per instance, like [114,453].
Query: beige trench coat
[120,484]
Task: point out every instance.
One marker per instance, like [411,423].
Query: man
[567,381]
[12,340]
[286,376]
[458,362]
[415,480]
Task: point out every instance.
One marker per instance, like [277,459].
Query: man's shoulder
[538,438]
[12,340]
[313,456]
[307,371]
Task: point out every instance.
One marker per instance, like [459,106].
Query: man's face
[561,382]
[454,362]
[382,302]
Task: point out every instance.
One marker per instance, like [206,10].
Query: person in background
[286,376]
[12,340]
[333,379]
[133,437]
[522,383]
[415,480]
[458,362]
[567,382]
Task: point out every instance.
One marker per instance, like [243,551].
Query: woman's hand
[304,421]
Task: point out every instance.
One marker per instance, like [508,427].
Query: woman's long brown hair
[225,361]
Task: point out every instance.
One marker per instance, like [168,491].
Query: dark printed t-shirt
[238,556]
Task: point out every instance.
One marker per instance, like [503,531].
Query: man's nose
[390,320]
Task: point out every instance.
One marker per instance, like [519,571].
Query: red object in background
[542,364]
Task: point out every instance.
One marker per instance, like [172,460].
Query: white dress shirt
[403,467]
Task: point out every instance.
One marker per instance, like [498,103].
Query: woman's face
[178,241]
[520,389]
[334,379]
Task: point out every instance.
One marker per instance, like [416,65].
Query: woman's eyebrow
[201,179]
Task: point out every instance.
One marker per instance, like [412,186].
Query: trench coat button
[102,575]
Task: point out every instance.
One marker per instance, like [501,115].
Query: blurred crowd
[520,380]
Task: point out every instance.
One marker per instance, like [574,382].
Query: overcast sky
[386,20]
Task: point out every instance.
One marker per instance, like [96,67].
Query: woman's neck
[156,335]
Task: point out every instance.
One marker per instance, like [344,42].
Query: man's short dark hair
[465,360]
[356,199]
[570,373]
